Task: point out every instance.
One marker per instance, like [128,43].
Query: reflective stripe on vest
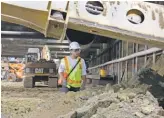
[74,78]
[67,67]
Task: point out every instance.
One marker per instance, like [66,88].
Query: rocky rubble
[125,103]
[137,97]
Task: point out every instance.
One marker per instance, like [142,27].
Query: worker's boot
[64,89]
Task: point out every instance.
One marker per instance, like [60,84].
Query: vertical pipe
[104,46]
[118,69]
[136,66]
[154,57]
[133,62]
[122,48]
[119,55]
[126,65]
[145,55]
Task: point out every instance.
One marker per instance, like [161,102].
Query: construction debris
[20,102]
[126,103]
[134,98]
[140,97]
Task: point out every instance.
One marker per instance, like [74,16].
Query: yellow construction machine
[39,67]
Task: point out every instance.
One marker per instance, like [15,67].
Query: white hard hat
[74,45]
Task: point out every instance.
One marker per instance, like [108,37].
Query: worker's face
[76,52]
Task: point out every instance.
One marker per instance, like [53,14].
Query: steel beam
[36,40]
[138,32]
[18,33]
[58,56]
[60,52]
[12,55]
[107,23]
[60,47]
[37,46]
[14,51]
[33,18]
[42,41]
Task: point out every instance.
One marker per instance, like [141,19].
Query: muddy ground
[41,101]
[142,96]
[98,102]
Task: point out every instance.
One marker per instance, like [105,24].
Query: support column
[136,66]
[154,57]
[126,64]
[119,69]
[146,47]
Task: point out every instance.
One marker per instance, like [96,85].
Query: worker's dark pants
[73,89]
[65,89]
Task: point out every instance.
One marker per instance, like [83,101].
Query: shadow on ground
[156,83]
[153,76]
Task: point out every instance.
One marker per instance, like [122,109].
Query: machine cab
[33,55]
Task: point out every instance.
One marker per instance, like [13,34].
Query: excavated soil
[41,101]
[140,97]
[125,103]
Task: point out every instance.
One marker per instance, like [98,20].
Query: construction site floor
[97,102]
[39,102]
[142,96]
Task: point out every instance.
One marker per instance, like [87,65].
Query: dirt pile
[125,103]
[139,97]
[151,77]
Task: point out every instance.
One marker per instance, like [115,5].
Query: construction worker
[72,70]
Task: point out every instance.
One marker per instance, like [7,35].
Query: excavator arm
[138,22]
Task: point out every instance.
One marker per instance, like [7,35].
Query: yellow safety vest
[74,79]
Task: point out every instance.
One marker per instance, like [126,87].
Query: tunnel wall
[119,50]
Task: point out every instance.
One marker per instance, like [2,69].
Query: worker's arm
[83,75]
[61,75]
[61,70]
